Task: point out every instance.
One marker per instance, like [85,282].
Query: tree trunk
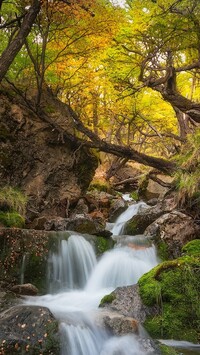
[16,44]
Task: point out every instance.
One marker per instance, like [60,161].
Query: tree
[18,41]
[110,73]
[167,47]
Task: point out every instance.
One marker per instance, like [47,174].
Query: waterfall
[78,282]
[131,211]
[81,339]
[70,267]
[121,267]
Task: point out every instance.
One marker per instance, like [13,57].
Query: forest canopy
[129,75]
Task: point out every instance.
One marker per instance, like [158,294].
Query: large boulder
[23,258]
[29,329]
[80,223]
[171,231]
[123,312]
[118,206]
[156,190]
[127,302]
[36,158]
[146,215]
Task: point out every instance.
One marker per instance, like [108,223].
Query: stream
[78,281]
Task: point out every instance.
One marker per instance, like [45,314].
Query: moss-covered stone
[192,248]
[107,299]
[99,185]
[11,219]
[134,195]
[163,250]
[175,287]
[167,350]
[103,244]
[24,253]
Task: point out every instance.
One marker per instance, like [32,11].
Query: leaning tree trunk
[16,44]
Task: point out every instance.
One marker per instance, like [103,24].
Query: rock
[117,207]
[86,224]
[25,289]
[24,247]
[81,208]
[125,312]
[38,160]
[119,324]
[154,189]
[8,299]
[100,201]
[138,223]
[56,224]
[127,302]
[153,202]
[29,329]
[174,229]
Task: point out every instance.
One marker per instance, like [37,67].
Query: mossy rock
[134,195]
[167,350]
[192,248]
[163,250]
[36,271]
[137,224]
[11,219]
[99,186]
[103,244]
[174,286]
[107,299]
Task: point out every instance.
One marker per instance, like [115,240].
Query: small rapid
[131,211]
[78,282]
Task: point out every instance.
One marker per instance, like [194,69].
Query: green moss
[99,186]
[103,244]
[11,219]
[163,250]
[192,248]
[35,271]
[174,286]
[134,195]
[107,299]
[14,199]
[150,288]
[167,350]
[131,228]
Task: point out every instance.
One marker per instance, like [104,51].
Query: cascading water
[121,267]
[131,211]
[81,283]
[70,267]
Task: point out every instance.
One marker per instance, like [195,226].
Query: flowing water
[131,211]
[77,283]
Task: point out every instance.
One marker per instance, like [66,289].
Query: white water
[81,283]
[131,211]
[121,267]
[71,266]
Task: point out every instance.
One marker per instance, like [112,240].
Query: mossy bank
[174,286]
